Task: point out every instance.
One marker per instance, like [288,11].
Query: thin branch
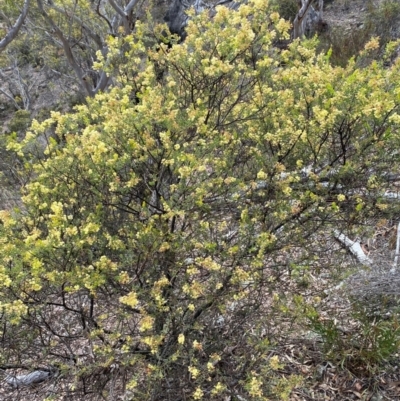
[103,82]
[8,95]
[130,6]
[124,13]
[104,17]
[92,34]
[67,50]
[15,29]
[117,8]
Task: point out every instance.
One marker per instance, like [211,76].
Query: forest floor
[345,13]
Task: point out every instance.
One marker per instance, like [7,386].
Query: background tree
[13,32]
[309,16]
[78,31]
[149,258]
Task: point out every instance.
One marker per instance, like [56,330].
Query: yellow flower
[198,394]
[193,371]
[274,363]
[275,17]
[372,44]
[146,323]
[254,386]
[261,175]
[164,247]
[341,197]
[181,338]
[218,388]
[130,299]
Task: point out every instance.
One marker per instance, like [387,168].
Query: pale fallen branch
[30,379]
[377,289]
[354,247]
[396,255]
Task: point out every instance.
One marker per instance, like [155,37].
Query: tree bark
[15,29]
[307,14]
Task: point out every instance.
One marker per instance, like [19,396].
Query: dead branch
[354,248]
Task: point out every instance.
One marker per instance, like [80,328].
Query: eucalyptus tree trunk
[13,32]
[177,18]
[308,17]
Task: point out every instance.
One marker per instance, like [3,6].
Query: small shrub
[74,99]
[43,114]
[381,20]
[364,346]
[6,107]
[344,43]
[287,8]
[27,50]
[20,121]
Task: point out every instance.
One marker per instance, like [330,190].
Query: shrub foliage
[147,259]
